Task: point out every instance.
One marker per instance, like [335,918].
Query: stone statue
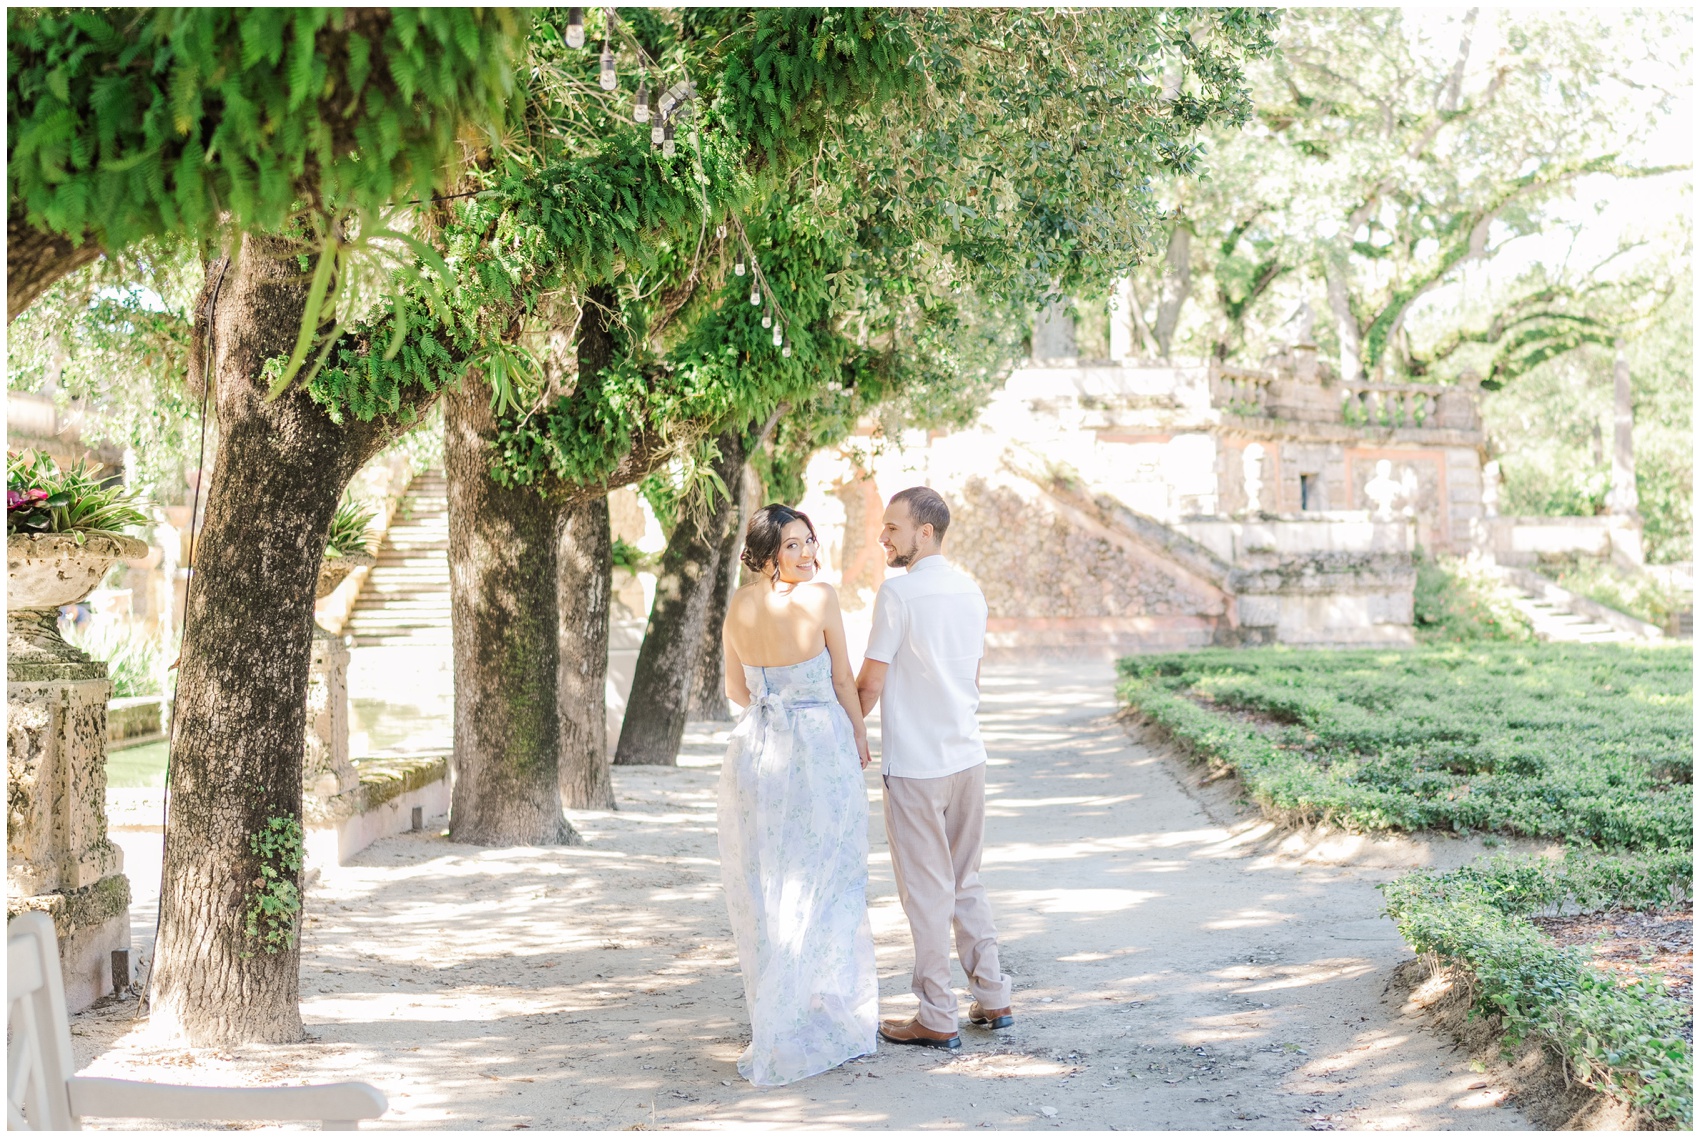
[1383,490]
[1490,489]
[1251,462]
[1299,328]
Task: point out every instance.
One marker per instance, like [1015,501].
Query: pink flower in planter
[24,499]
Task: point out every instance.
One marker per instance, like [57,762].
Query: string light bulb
[575,27]
[786,351]
[609,79]
[767,319]
[668,146]
[778,337]
[640,104]
[755,296]
[739,267]
[657,133]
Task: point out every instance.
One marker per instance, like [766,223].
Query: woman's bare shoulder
[743,601]
[817,595]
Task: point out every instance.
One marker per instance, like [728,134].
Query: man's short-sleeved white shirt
[930,628]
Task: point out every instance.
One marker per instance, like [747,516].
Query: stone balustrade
[1389,404]
[1306,393]
[1240,391]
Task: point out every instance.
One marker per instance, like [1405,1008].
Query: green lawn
[1589,743]
[142,766]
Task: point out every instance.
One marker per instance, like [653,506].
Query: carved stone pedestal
[326,770]
[58,856]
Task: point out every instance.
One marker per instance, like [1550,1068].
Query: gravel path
[1175,968]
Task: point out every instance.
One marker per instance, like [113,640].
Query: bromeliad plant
[351,531]
[41,498]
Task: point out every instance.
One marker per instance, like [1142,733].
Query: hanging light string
[661,109]
[670,107]
[760,288]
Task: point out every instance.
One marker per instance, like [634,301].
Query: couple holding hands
[793,810]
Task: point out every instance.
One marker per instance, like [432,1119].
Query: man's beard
[903,560]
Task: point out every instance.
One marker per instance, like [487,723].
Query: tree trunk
[708,692]
[227,966]
[1625,498]
[586,571]
[502,582]
[1345,321]
[666,665]
[36,261]
[1177,287]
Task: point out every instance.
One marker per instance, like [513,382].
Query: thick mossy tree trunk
[664,680]
[708,690]
[227,966]
[586,576]
[502,585]
[586,568]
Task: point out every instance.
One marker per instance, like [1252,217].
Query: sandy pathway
[1170,971]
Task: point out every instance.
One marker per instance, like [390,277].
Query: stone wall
[1032,559]
[1146,508]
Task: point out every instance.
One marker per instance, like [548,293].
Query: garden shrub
[1454,601]
[134,659]
[1637,594]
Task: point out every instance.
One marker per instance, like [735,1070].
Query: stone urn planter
[44,571]
[334,570]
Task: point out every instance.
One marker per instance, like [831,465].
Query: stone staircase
[405,601]
[1557,614]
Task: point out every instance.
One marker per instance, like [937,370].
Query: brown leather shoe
[911,1031]
[993,1018]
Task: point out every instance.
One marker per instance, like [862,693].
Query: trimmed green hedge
[1624,1040]
[1585,743]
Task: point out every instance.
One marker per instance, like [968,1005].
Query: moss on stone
[78,909]
[381,780]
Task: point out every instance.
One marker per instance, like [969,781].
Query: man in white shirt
[923,667]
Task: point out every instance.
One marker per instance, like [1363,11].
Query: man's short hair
[926,508]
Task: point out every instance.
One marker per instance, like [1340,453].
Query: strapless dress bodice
[808,684]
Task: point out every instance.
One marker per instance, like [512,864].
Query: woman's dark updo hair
[761,538]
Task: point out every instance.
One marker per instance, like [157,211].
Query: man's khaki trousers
[935,828]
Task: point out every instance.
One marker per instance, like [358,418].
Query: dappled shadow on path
[1165,977]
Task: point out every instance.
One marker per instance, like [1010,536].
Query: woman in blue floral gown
[794,813]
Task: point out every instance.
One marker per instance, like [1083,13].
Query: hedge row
[1582,743]
[1623,1039]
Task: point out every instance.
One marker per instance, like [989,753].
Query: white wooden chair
[43,1094]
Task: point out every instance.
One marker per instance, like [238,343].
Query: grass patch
[142,766]
[1589,743]
[1624,1038]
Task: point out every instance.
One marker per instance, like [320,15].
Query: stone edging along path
[1176,967]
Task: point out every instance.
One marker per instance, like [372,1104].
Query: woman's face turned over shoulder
[796,554]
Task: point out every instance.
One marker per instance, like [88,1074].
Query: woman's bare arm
[843,678]
[737,688]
